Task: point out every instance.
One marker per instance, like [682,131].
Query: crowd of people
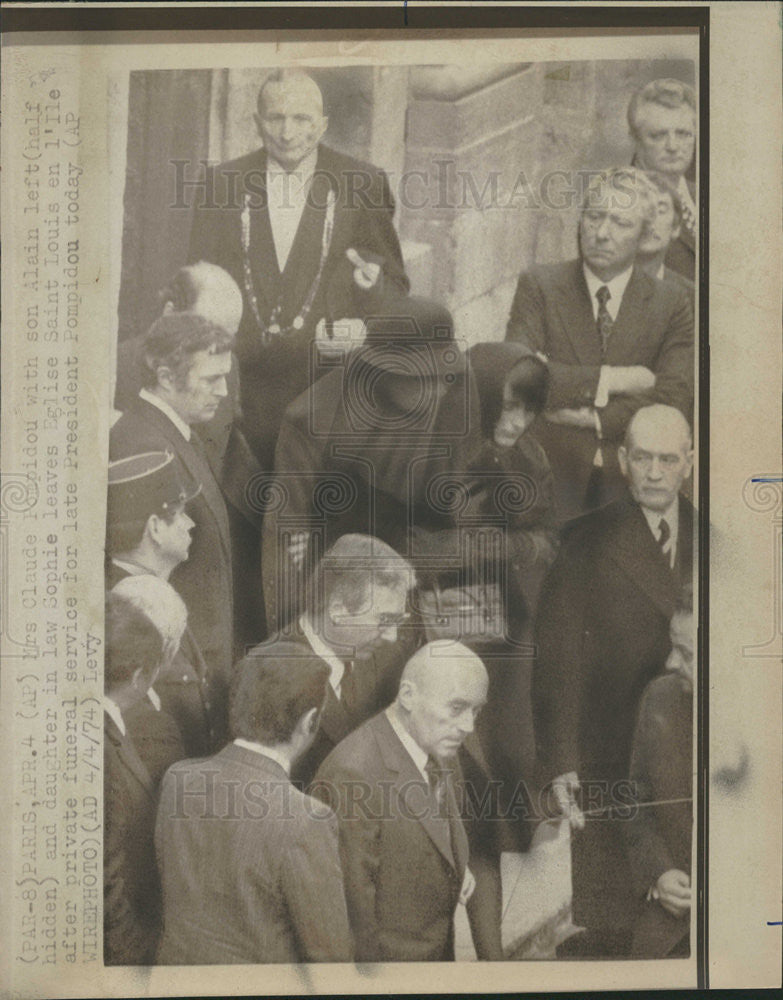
[377,606]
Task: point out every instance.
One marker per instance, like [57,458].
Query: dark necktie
[663,538]
[348,688]
[604,321]
[437,779]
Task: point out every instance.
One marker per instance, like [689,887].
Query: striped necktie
[604,320]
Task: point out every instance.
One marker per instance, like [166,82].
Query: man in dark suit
[403,847]
[188,359]
[249,865]
[661,234]
[209,291]
[135,649]
[662,122]
[615,340]
[602,635]
[307,233]
[357,602]
[148,531]
[154,731]
[658,836]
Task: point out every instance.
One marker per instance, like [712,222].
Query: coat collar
[635,551]
[290,286]
[127,754]
[193,463]
[398,761]
[573,303]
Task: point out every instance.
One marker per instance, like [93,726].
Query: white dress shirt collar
[672,517]
[112,709]
[417,755]
[154,698]
[171,413]
[132,569]
[616,286]
[269,752]
[326,653]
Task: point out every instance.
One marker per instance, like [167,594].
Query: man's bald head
[290,117]
[657,456]
[294,84]
[443,688]
[664,422]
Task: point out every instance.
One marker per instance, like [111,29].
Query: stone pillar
[473,138]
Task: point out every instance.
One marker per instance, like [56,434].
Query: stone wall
[486,162]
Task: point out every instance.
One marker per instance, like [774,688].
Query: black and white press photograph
[400,520]
[391,501]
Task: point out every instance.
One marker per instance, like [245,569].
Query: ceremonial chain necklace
[273,328]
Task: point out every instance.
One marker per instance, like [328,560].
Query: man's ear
[676,231]
[406,694]
[168,307]
[622,458]
[689,460]
[152,528]
[165,377]
[336,612]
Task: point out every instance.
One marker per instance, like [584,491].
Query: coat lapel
[334,720]
[197,468]
[302,265]
[127,755]
[576,313]
[398,761]
[636,552]
[630,323]
[263,258]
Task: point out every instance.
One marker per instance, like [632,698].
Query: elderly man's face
[610,230]
[444,706]
[290,121]
[664,229]
[665,138]
[656,462]
[196,396]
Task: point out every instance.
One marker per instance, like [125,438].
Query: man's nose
[671,142]
[287,128]
[655,468]
[189,522]
[602,232]
[220,387]
[466,722]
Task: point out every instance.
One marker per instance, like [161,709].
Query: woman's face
[513,421]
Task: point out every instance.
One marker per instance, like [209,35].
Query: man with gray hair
[662,123]
[615,340]
[355,605]
[306,232]
[602,634]
[403,845]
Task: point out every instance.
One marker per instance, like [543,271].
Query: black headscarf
[491,364]
[409,351]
